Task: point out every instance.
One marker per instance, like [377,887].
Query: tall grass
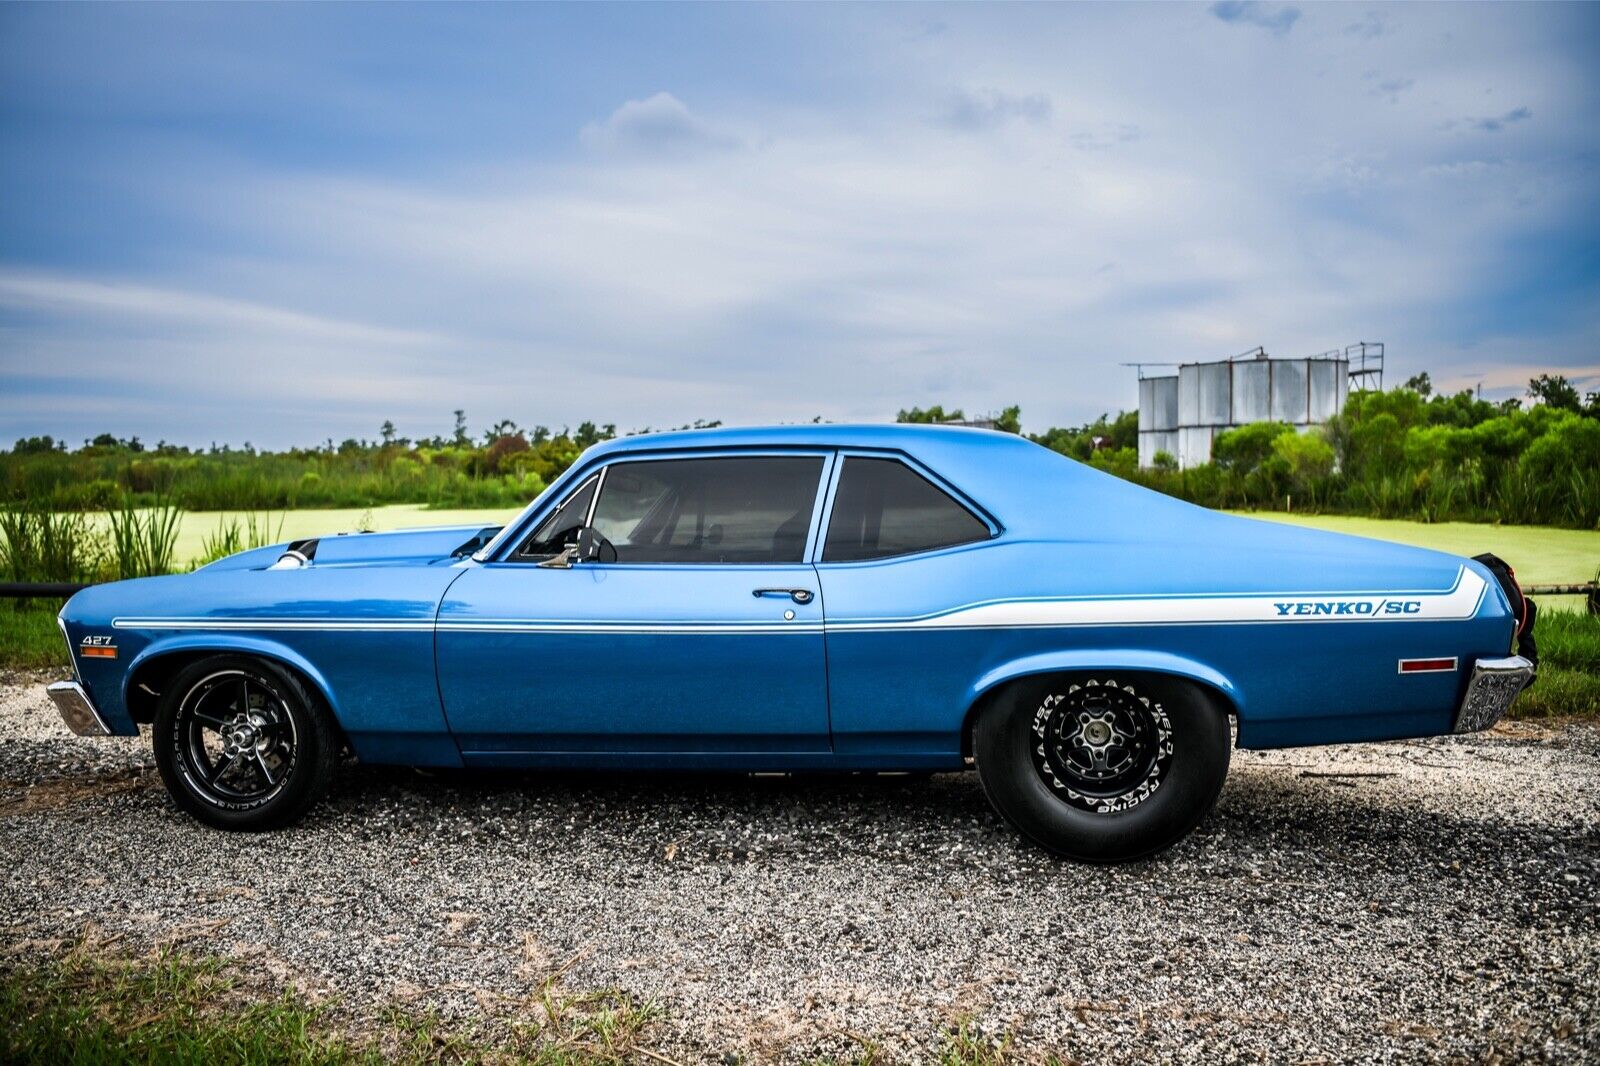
[38,545]
[230,538]
[143,539]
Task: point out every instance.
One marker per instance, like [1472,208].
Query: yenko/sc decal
[1348,607]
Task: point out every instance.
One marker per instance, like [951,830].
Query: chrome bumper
[1494,686]
[77,710]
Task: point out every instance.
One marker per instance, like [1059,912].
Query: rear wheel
[1102,768]
[241,743]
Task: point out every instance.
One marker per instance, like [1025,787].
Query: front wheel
[242,744]
[1102,768]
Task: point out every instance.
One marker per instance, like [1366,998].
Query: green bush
[1395,454]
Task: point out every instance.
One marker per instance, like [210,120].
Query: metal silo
[1252,391]
[1182,415]
[1291,391]
[1158,418]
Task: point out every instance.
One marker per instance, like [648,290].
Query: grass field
[1539,554]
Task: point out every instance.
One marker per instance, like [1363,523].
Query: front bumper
[1494,686]
[77,709]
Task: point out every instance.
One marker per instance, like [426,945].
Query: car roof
[1034,493]
[1015,480]
[898,436]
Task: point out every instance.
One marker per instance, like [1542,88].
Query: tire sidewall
[1201,740]
[307,778]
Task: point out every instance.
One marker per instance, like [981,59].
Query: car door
[902,547]
[700,644]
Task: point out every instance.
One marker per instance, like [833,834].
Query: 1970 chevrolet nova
[884,598]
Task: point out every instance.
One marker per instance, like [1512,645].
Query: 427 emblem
[97,646]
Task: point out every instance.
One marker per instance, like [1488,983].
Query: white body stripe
[356,624]
[1461,601]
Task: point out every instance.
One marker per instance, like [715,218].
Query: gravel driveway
[1432,899]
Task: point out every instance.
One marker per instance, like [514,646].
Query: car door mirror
[593,547]
[590,546]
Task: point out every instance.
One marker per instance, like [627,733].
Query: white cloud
[864,259]
[656,125]
[124,300]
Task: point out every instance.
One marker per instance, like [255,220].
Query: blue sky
[279,224]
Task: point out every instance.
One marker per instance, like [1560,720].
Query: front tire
[1105,767]
[242,744]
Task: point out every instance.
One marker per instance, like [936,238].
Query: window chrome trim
[819,492]
[502,548]
[813,530]
[823,506]
[516,556]
[594,503]
[939,482]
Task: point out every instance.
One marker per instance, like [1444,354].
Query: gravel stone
[1428,899]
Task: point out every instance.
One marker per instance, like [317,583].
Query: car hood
[405,547]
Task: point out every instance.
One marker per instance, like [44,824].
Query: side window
[559,530]
[882,508]
[717,510]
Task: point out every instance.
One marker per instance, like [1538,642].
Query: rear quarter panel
[913,642]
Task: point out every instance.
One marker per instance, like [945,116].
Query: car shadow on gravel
[1346,826]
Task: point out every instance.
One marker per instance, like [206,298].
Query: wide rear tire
[242,744]
[1105,767]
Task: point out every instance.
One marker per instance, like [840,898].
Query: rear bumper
[1494,686]
[77,709]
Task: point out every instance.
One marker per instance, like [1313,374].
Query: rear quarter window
[884,508]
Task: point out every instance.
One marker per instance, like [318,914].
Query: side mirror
[593,547]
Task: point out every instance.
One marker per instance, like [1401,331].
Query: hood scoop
[299,553]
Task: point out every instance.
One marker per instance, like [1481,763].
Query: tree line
[1401,453]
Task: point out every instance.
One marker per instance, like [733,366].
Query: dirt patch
[18,799]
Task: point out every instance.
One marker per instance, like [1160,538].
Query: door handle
[797,595]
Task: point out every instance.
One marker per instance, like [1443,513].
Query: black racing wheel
[242,744]
[1103,767]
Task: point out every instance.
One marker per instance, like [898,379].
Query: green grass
[1569,640]
[167,1010]
[1560,693]
[1569,668]
[29,636]
[176,1008]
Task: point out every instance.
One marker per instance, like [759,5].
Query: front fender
[1101,659]
[223,643]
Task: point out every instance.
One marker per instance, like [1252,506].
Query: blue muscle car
[883,598]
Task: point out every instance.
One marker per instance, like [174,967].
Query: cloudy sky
[279,224]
